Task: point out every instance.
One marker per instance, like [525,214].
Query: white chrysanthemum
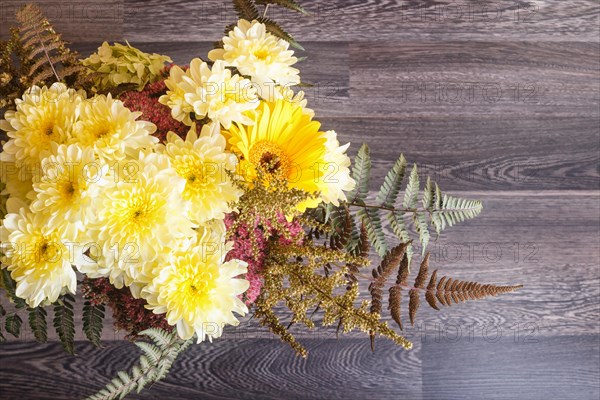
[216,94]
[18,180]
[71,179]
[111,129]
[259,54]
[175,97]
[36,256]
[198,291]
[138,219]
[288,94]
[204,164]
[42,117]
[336,178]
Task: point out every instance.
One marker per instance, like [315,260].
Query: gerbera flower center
[270,158]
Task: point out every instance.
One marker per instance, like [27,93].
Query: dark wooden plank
[483,153]
[93,21]
[546,241]
[449,79]
[225,369]
[385,20]
[565,367]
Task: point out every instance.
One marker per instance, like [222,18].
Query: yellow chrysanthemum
[42,117]
[175,97]
[198,291]
[260,55]
[283,142]
[137,220]
[336,177]
[36,256]
[71,179]
[111,129]
[18,180]
[214,93]
[204,164]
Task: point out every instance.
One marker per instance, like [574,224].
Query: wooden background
[497,100]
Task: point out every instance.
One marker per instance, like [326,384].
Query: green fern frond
[63,322]
[153,365]
[276,29]
[291,4]
[93,315]
[372,222]
[246,9]
[361,171]
[11,287]
[412,189]
[38,324]
[13,324]
[392,184]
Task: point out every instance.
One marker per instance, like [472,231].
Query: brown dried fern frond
[36,55]
[381,274]
[446,291]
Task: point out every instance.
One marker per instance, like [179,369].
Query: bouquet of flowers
[185,197]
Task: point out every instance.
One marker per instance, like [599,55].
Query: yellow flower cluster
[90,188]
[117,64]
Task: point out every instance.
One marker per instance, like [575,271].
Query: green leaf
[274,28]
[13,325]
[152,366]
[361,171]
[11,287]
[291,4]
[412,189]
[398,226]
[421,226]
[388,193]
[246,9]
[63,322]
[370,217]
[93,315]
[38,324]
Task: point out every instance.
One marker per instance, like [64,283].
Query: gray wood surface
[496,100]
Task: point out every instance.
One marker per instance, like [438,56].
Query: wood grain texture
[94,20]
[496,100]
[385,20]
[236,369]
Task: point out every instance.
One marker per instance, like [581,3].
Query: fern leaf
[372,222]
[361,171]
[93,316]
[412,189]
[291,4]
[38,324]
[274,28]
[10,286]
[388,193]
[422,228]
[152,366]
[63,322]
[13,325]
[246,9]
[381,274]
[395,294]
[420,280]
[398,226]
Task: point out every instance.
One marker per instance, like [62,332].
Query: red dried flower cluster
[128,312]
[146,101]
[243,250]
